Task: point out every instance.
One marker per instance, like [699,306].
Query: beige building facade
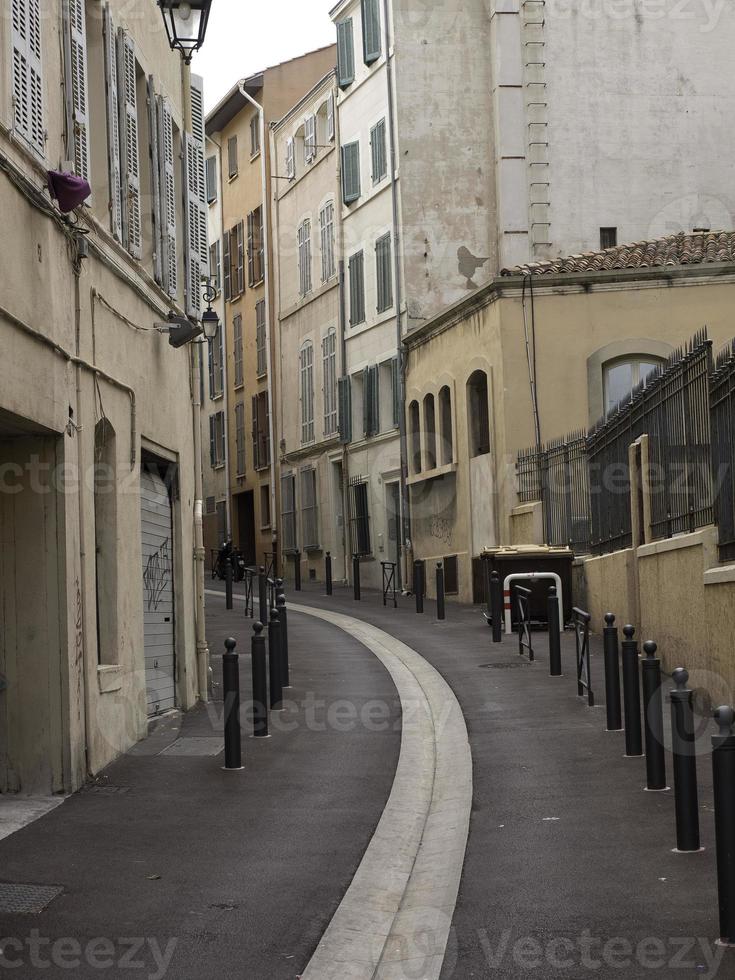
[98,506]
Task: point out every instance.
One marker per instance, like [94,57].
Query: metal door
[158,593]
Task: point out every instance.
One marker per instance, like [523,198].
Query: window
[350,172]
[345,53]
[451,575]
[237,352]
[255,135]
[217,439]
[232,157]
[113,125]
[211,180]
[221,511]
[196,256]
[106,541]
[255,246]
[384,273]
[216,364]
[309,513]
[370,31]
[129,157]
[359,516]
[430,430]
[240,437]
[288,512]
[261,366]
[344,407]
[234,262]
[265,505]
[356,273]
[309,138]
[608,237]
[329,374]
[215,264]
[167,194]
[378,152]
[446,449]
[261,431]
[75,51]
[306,376]
[304,242]
[27,77]
[290,159]
[330,118]
[478,414]
[396,390]
[622,376]
[326,230]
[414,433]
[370,401]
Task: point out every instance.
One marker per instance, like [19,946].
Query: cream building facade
[98,501]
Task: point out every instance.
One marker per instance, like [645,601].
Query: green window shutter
[345,53]
[357,289]
[384,273]
[366,402]
[370,31]
[227,267]
[374,386]
[396,383]
[344,400]
[212,446]
[350,172]
[378,151]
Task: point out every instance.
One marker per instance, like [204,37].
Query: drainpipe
[344,489]
[405,538]
[267,277]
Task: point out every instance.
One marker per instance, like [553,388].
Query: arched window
[105,540]
[445,426]
[414,429]
[478,418]
[622,375]
[430,430]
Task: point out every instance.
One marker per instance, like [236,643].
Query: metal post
[685,763]
[612,674]
[356,576]
[496,607]
[283,618]
[228,584]
[723,772]
[277,590]
[297,571]
[328,572]
[653,717]
[554,634]
[260,682]
[274,661]
[631,694]
[418,585]
[440,610]
[231,694]
[263,594]
[486,589]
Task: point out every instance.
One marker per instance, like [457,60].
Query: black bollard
[440,610]
[260,682]
[228,584]
[283,620]
[418,585]
[685,763]
[723,773]
[231,694]
[496,607]
[356,577]
[328,572]
[297,572]
[631,694]
[554,633]
[653,718]
[263,594]
[277,590]
[275,661]
[612,673]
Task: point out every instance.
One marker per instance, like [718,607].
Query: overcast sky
[245,36]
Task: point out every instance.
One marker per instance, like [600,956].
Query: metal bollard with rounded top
[612,674]
[685,763]
[260,682]
[297,571]
[356,577]
[554,633]
[653,716]
[263,594]
[496,607]
[440,610]
[274,661]
[418,584]
[277,590]
[723,773]
[631,694]
[328,572]
[231,695]
[283,619]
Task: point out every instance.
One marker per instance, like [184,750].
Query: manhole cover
[193,745]
[508,666]
[27,899]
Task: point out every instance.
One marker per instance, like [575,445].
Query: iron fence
[722,414]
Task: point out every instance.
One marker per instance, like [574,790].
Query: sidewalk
[228,874]
[569,870]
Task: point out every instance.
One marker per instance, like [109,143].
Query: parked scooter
[232,555]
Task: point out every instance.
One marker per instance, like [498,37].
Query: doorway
[245,509]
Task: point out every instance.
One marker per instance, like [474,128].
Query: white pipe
[267,280]
[531,577]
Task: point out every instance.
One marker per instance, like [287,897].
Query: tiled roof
[681,249]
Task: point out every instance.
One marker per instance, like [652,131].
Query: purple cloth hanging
[68,189]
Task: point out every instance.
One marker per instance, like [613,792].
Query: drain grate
[106,790]
[27,899]
[507,666]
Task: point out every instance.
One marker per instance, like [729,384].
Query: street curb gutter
[395,919]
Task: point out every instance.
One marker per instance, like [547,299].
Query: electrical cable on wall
[531,356]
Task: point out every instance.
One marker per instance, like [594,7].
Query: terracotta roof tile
[681,249]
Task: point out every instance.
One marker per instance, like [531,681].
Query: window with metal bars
[306,375]
[359,516]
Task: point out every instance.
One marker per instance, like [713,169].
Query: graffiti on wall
[156,576]
[441,529]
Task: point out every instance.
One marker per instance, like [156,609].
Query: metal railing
[523,607]
[581,625]
[251,575]
[722,418]
[389,582]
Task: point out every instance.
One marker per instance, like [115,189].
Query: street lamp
[186,24]
[210,320]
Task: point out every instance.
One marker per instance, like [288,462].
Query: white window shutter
[77,70]
[27,75]
[113,125]
[197,245]
[126,74]
[167,176]
[290,159]
[155,183]
[330,118]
